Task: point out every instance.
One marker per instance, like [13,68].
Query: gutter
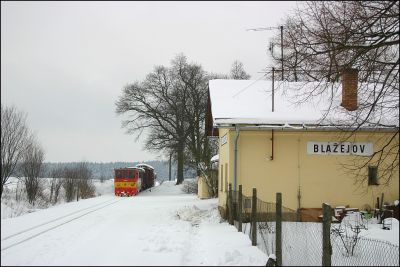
[303,127]
[235,162]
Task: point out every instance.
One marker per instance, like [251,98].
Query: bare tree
[197,146]
[78,182]
[14,133]
[171,104]
[56,183]
[323,38]
[31,166]
[164,103]
[237,71]
[85,185]
[70,183]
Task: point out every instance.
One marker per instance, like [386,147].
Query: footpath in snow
[163,227]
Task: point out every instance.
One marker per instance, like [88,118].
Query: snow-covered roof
[250,102]
[130,167]
[145,165]
[215,158]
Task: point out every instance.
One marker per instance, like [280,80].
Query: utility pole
[282,50]
[273,89]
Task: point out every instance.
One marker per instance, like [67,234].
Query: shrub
[190,186]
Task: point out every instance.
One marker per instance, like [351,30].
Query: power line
[241,90]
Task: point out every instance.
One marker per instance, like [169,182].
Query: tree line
[105,170]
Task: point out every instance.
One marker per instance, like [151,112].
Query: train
[129,181]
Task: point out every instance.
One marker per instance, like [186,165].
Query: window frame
[222,178]
[373,175]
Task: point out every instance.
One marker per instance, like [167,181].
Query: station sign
[340,148]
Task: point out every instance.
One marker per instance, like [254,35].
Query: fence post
[254,218]
[278,234]
[230,203]
[240,208]
[326,235]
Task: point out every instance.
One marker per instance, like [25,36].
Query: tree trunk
[180,164]
[51,189]
[169,173]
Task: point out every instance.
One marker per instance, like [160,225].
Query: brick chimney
[349,89]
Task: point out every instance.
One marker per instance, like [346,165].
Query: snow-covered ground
[161,226]
[164,226]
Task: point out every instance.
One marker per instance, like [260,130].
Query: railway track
[63,220]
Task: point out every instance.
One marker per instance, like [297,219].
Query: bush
[190,186]
[86,189]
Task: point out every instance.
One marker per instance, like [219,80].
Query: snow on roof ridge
[146,165]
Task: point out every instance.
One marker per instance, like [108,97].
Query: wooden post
[278,234]
[254,218]
[240,208]
[381,210]
[230,203]
[376,213]
[326,235]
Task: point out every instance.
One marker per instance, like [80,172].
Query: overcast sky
[65,63]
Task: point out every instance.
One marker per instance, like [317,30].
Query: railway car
[148,177]
[128,181]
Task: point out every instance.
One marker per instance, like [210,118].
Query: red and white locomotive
[130,181]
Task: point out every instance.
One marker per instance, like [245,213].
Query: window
[226,177]
[222,178]
[373,175]
[247,203]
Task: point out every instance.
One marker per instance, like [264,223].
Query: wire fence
[302,241]
[367,252]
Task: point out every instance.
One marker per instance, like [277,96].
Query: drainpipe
[235,163]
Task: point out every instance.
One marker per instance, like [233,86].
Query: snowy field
[163,227]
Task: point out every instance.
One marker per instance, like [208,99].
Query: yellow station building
[268,141]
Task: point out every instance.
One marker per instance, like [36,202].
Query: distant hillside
[106,170]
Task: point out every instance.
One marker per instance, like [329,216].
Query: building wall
[202,189]
[320,178]
[225,154]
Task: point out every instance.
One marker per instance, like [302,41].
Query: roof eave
[306,127]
